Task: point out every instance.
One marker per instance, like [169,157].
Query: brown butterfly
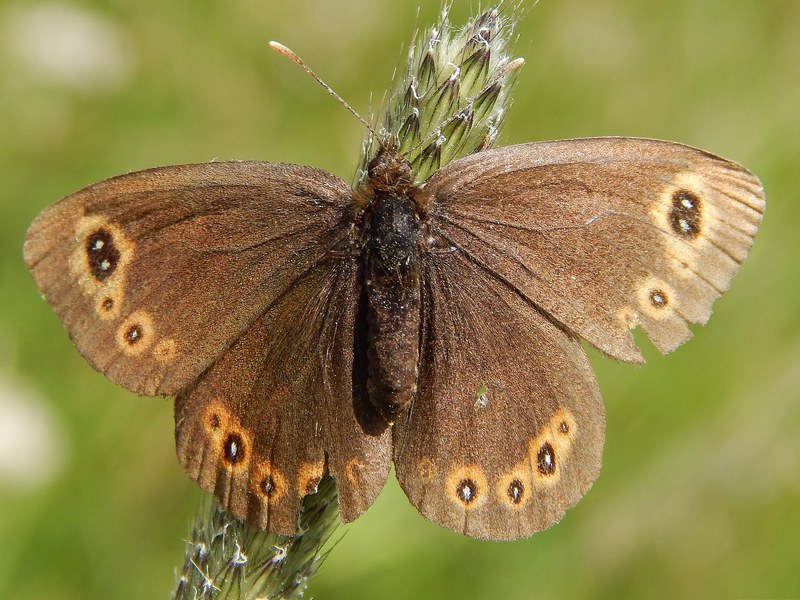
[307,327]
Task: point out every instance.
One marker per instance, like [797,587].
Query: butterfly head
[389,171]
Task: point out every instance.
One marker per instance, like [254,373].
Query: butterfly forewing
[506,432]
[604,234]
[155,273]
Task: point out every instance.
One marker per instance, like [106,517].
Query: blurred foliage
[700,490]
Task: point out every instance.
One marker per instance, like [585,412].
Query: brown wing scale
[232,285]
[261,427]
[506,432]
[605,234]
[155,273]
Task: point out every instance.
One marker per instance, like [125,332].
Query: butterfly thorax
[391,229]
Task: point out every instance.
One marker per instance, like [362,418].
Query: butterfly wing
[261,427]
[507,429]
[604,234]
[155,273]
[537,245]
[231,284]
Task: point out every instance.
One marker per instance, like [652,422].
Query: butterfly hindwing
[279,408]
[604,234]
[506,432]
[155,273]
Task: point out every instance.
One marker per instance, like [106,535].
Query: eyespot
[216,420]
[133,334]
[267,482]
[549,451]
[233,449]
[108,301]
[685,214]
[102,254]
[515,491]
[513,488]
[682,214]
[658,298]
[136,333]
[546,459]
[467,491]
[563,427]
[268,486]
[99,262]
[467,487]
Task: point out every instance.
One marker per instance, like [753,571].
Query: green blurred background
[700,490]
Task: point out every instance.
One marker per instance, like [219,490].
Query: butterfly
[306,327]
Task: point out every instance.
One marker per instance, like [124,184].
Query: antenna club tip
[280,48]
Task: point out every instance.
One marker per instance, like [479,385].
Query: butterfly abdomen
[393,301]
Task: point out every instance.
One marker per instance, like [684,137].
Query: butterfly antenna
[291,55]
